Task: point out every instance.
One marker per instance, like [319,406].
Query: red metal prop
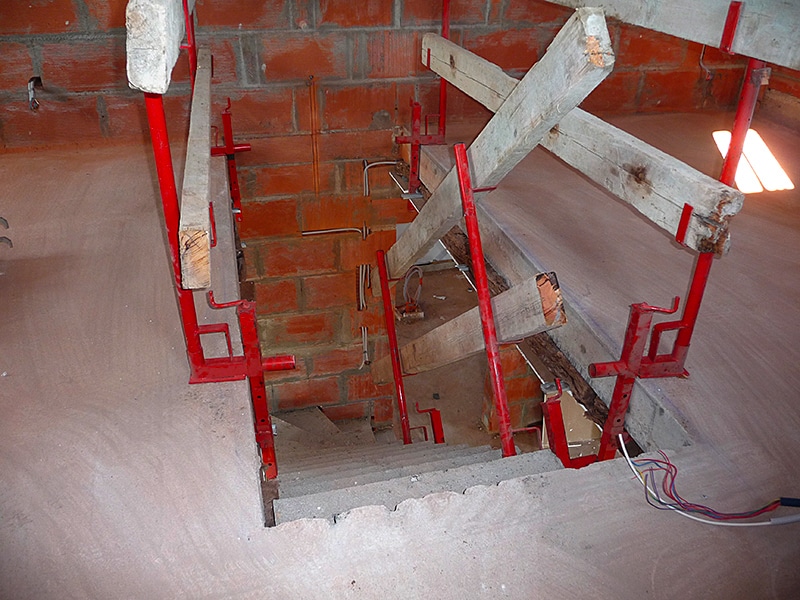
[190,46]
[394,351]
[417,138]
[731,23]
[484,302]
[436,423]
[229,150]
[230,368]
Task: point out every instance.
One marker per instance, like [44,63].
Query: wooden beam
[649,180]
[768,29]
[194,233]
[531,307]
[578,59]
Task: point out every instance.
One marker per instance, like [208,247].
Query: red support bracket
[229,150]
[394,351]
[731,24]
[251,364]
[417,138]
[436,423]
[190,46]
[484,301]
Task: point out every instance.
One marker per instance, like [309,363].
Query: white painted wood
[155,30]
[519,312]
[194,234]
[649,180]
[768,29]
[578,59]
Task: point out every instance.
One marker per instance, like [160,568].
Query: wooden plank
[649,180]
[579,58]
[194,233]
[768,29]
[531,307]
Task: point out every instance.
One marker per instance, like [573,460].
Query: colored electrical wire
[647,477]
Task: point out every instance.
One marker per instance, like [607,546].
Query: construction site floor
[119,480]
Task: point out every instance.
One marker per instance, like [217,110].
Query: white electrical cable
[776,521]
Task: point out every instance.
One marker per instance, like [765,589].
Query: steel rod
[484,302]
[394,352]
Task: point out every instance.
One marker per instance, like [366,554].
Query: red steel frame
[417,138]
[229,150]
[634,362]
[394,352]
[484,302]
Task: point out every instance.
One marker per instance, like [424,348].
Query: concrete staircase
[325,472]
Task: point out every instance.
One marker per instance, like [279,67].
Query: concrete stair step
[376,454]
[391,492]
[369,474]
[312,420]
[376,462]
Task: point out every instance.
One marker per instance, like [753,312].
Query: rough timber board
[768,29]
[155,30]
[531,307]
[647,179]
[577,60]
[194,235]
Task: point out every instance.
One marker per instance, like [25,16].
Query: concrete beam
[155,30]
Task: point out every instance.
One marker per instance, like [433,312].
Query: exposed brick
[224,64]
[371,318]
[265,111]
[360,106]
[243,14]
[15,66]
[392,54]
[725,87]
[352,180]
[252,260]
[299,372]
[366,13]
[355,145]
[324,291]
[336,360]
[127,118]
[617,93]
[508,49]
[278,150]
[424,12]
[273,217]
[640,47]
[80,66]
[535,12]
[671,90]
[359,410]
[522,388]
[354,251]
[304,256]
[70,120]
[107,14]
[382,411]
[283,180]
[362,387]
[464,108]
[308,392]
[513,363]
[291,57]
[298,330]
[712,57]
[40,16]
[328,212]
[390,211]
[276,296]
[785,80]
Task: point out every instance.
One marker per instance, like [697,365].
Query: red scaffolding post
[229,150]
[635,362]
[484,302]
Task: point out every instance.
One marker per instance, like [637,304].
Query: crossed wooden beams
[541,109]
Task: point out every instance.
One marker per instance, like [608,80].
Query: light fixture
[758,168]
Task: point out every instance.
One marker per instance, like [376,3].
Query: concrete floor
[119,480]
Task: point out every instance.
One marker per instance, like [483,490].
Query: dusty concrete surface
[121,481]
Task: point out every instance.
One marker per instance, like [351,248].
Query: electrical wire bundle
[658,478]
